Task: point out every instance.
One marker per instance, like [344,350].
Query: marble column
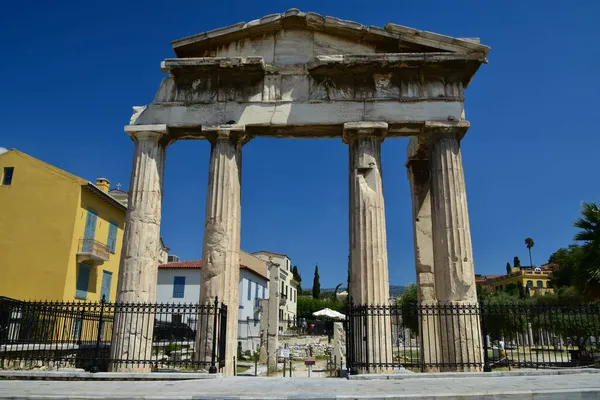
[460,333]
[132,333]
[369,280]
[418,174]
[273,324]
[221,250]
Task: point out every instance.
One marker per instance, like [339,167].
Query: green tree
[297,277]
[504,314]
[570,260]
[307,306]
[335,291]
[349,271]
[516,262]
[316,289]
[508,268]
[589,233]
[408,303]
[529,243]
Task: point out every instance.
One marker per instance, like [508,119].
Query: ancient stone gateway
[303,75]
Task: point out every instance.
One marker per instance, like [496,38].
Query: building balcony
[92,251]
[282,300]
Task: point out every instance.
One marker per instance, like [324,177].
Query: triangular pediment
[295,32]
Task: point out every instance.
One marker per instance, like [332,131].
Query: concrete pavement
[416,386]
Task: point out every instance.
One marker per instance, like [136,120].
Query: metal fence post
[95,367]
[486,358]
[80,333]
[213,367]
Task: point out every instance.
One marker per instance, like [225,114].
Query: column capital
[433,129]
[146,132]
[355,130]
[233,133]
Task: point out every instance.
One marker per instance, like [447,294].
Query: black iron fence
[84,335]
[470,337]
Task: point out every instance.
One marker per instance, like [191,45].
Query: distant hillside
[395,290]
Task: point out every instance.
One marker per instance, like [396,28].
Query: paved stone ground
[418,386]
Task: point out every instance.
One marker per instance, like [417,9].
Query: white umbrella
[328,312]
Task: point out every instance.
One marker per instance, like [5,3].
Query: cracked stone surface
[460,335]
[139,258]
[418,172]
[221,250]
[369,263]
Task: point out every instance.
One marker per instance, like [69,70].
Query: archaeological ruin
[303,75]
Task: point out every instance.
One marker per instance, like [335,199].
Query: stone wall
[300,346]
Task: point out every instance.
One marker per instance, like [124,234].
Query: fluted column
[418,175]
[221,250]
[369,282]
[132,333]
[460,334]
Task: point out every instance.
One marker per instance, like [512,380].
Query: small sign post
[309,362]
[285,354]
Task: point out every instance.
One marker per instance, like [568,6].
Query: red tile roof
[196,264]
[182,264]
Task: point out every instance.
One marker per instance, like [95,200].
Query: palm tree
[589,223]
[529,243]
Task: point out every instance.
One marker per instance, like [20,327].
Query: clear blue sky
[71,73]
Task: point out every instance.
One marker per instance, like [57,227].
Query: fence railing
[470,337]
[35,334]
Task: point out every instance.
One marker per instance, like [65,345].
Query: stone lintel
[354,130]
[275,114]
[213,64]
[137,132]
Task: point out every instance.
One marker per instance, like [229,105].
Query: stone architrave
[368,248]
[460,333]
[273,324]
[221,250]
[418,174]
[132,333]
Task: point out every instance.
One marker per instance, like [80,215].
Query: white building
[179,282]
[288,289]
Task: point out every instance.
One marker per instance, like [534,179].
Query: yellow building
[537,279]
[60,235]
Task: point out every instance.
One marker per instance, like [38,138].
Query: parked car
[173,331]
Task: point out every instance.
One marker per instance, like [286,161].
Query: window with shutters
[178,287]
[111,242]
[83,281]
[249,290]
